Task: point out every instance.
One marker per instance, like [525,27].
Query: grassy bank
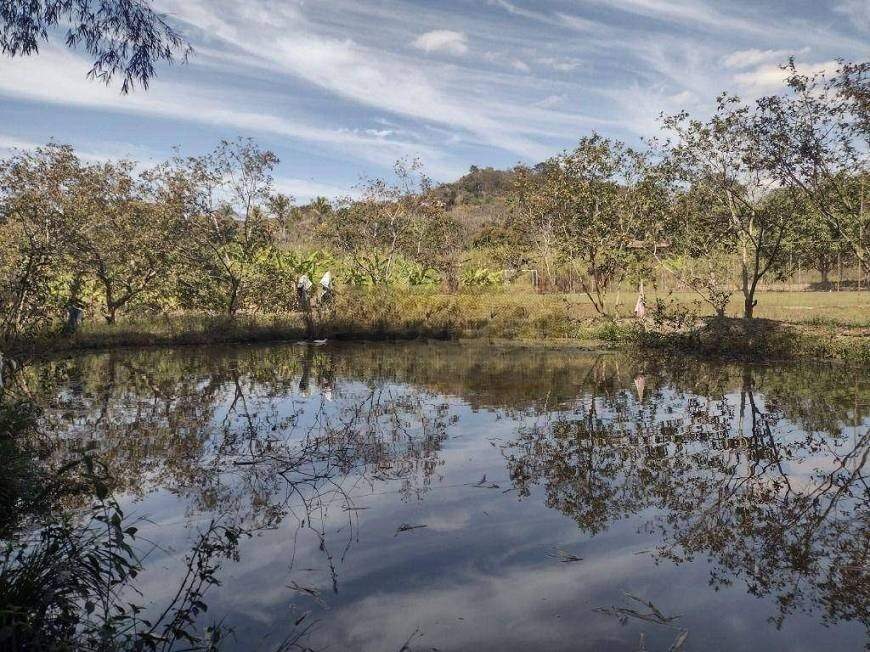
[833,325]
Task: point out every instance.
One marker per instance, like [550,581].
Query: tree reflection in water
[758,469]
[246,462]
[783,509]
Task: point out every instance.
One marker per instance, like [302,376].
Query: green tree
[230,231]
[125,232]
[36,212]
[815,141]
[720,164]
[580,208]
[280,208]
[533,218]
[321,206]
[390,221]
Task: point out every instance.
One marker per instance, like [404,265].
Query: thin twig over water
[564,556]
[404,527]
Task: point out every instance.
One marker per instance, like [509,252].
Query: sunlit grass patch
[788,324]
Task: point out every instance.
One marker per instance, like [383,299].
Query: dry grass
[818,323]
[852,308]
[849,308]
[164,330]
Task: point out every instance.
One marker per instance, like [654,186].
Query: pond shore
[542,319]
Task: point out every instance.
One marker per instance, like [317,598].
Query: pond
[448,496]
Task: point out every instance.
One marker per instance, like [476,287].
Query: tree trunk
[749,302]
[232,305]
[748,298]
[14,321]
[108,295]
[744,279]
[748,308]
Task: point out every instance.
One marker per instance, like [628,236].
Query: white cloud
[683,98]
[519,11]
[9,143]
[522,66]
[105,151]
[414,88]
[391,83]
[771,77]
[684,12]
[557,19]
[380,133]
[549,101]
[335,69]
[505,59]
[442,40]
[765,77]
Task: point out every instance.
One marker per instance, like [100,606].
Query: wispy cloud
[523,12]
[417,89]
[562,65]
[9,143]
[104,151]
[857,11]
[578,23]
[356,85]
[54,78]
[686,12]
[752,57]
[549,101]
[442,40]
[304,190]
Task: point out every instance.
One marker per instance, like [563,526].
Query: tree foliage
[394,220]
[815,140]
[580,207]
[126,38]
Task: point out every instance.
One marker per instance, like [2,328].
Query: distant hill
[478,186]
[478,199]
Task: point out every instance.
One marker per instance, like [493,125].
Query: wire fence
[839,279]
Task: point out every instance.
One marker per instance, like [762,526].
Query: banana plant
[481,277]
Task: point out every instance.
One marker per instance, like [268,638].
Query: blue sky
[341,88]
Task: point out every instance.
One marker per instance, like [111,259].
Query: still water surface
[465,497]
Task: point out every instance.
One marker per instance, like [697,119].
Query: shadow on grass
[759,339]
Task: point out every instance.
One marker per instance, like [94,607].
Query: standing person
[326,289]
[303,293]
[640,306]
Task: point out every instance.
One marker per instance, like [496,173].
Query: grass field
[788,324]
[852,308]
[849,308]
